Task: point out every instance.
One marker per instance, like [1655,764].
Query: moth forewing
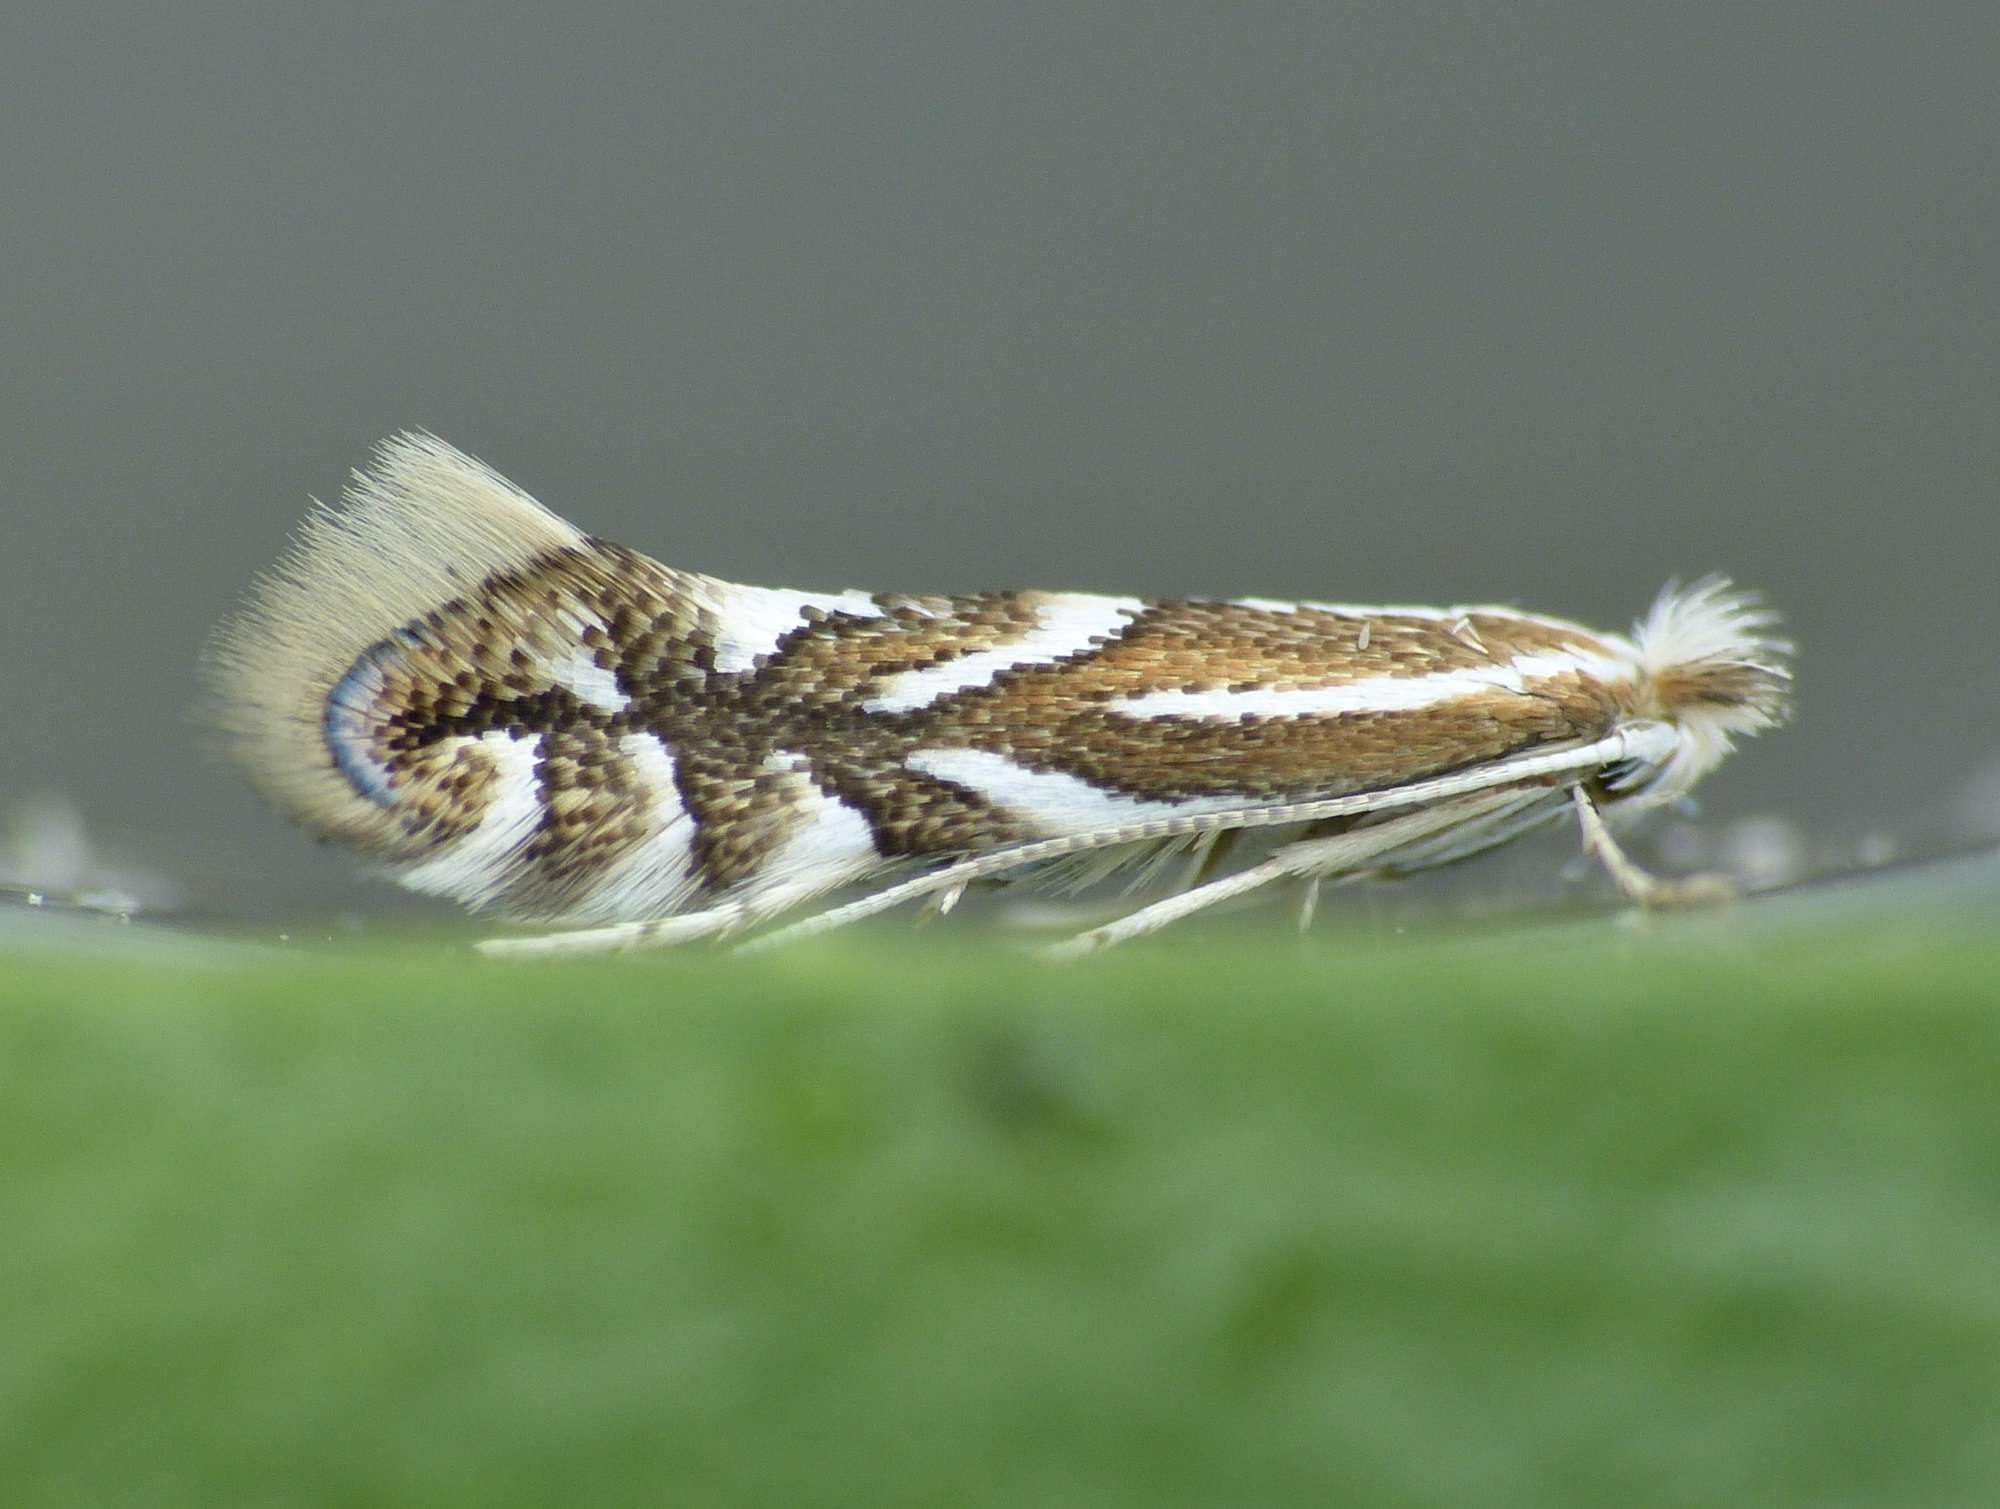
[495,707]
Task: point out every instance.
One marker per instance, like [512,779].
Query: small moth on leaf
[496,707]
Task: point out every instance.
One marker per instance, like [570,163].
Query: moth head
[1715,673]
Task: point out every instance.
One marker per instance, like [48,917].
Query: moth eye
[1626,775]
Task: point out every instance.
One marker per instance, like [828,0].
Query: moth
[495,707]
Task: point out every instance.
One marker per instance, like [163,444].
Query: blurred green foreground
[1594,1215]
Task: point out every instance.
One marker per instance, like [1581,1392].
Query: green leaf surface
[1697,1213]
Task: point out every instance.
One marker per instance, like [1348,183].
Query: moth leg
[940,902]
[655,932]
[1309,858]
[1207,852]
[1646,889]
[1149,919]
[954,878]
[1308,901]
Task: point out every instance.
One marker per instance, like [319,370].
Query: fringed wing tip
[421,524]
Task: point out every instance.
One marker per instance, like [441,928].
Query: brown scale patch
[1213,646]
[912,813]
[478,665]
[1273,758]
[1714,686]
[595,811]
[1508,635]
[1593,707]
[1194,646]
[744,816]
[832,656]
[444,792]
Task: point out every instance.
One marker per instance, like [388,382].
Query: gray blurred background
[1538,303]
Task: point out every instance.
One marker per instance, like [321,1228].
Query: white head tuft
[1716,673]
